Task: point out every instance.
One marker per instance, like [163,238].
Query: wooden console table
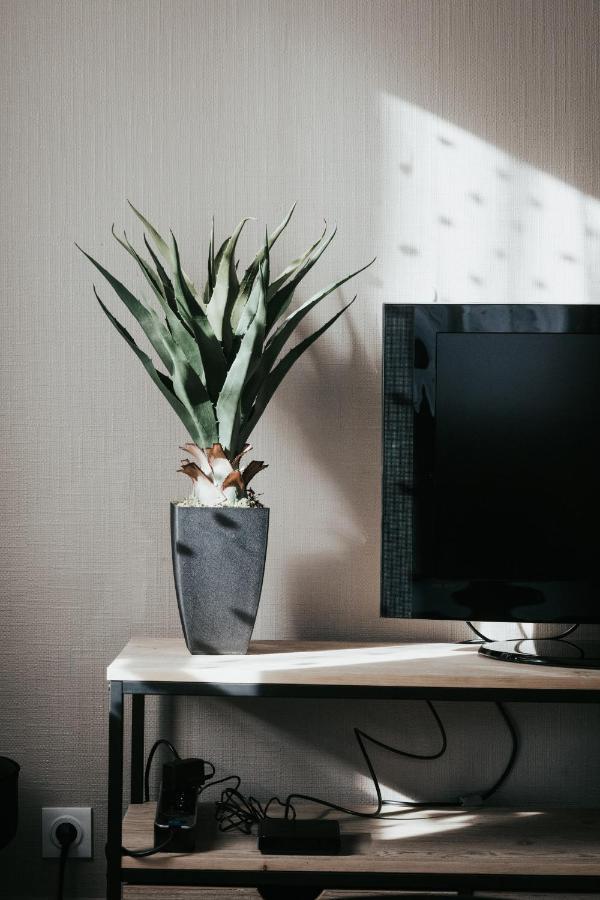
[555,850]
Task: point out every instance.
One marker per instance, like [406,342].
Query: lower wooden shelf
[494,842]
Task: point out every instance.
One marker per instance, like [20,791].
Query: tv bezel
[403,596]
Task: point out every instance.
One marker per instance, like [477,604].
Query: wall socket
[80,817]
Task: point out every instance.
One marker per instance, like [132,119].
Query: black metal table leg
[115,792]
[137,748]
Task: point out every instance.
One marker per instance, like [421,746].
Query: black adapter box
[313,837]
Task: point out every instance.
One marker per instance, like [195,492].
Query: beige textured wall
[191,107]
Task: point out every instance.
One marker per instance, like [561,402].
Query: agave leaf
[291,268]
[277,341]
[215,452]
[163,288]
[167,286]
[193,394]
[235,462]
[209,286]
[249,310]
[204,489]
[282,298]
[219,463]
[176,348]
[211,256]
[154,330]
[252,469]
[187,382]
[260,284]
[181,333]
[213,359]
[229,402]
[274,378]
[280,228]
[235,480]
[159,241]
[225,291]
[214,362]
[163,247]
[163,382]
[210,266]
[252,271]
[185,297]
[188,345]
[199,455]
[190,468]
[149,275]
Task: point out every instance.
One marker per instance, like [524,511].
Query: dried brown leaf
[191,469]
[235,462]
[252,469]
[234,479]
[215,452]
[199,456]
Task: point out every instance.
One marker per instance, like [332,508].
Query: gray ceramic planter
[218,563]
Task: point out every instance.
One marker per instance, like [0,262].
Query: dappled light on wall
[468,223]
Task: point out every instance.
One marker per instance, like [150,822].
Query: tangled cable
[236,811]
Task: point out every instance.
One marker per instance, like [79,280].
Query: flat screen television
[491,463]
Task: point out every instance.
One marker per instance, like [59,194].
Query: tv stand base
[575,653]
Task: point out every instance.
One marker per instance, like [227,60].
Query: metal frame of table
[327,880]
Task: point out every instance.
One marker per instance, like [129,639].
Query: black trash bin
[9,799]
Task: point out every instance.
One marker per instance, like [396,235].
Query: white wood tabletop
[316,663]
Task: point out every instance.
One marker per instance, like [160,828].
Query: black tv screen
[491,468]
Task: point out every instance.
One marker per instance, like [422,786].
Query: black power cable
[66,835]
[235,811]
[154,748]
[149,851]
[361,737]
[513,753]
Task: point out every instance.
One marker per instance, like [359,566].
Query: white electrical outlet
[80,817]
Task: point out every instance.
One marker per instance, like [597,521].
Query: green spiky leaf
[213,358]
[229,403]
[225,291]
[281,299]
[162,381]
[222,367]
[187,380]
[274,378]
[147,271]
[249,276]
[278,340]
[292,267]
[167,285]
[156,333]
[165,250]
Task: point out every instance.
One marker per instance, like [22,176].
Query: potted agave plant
[223,353]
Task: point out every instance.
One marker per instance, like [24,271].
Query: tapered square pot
[218,562]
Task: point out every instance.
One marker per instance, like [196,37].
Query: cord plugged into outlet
[80,817]
[66,833]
